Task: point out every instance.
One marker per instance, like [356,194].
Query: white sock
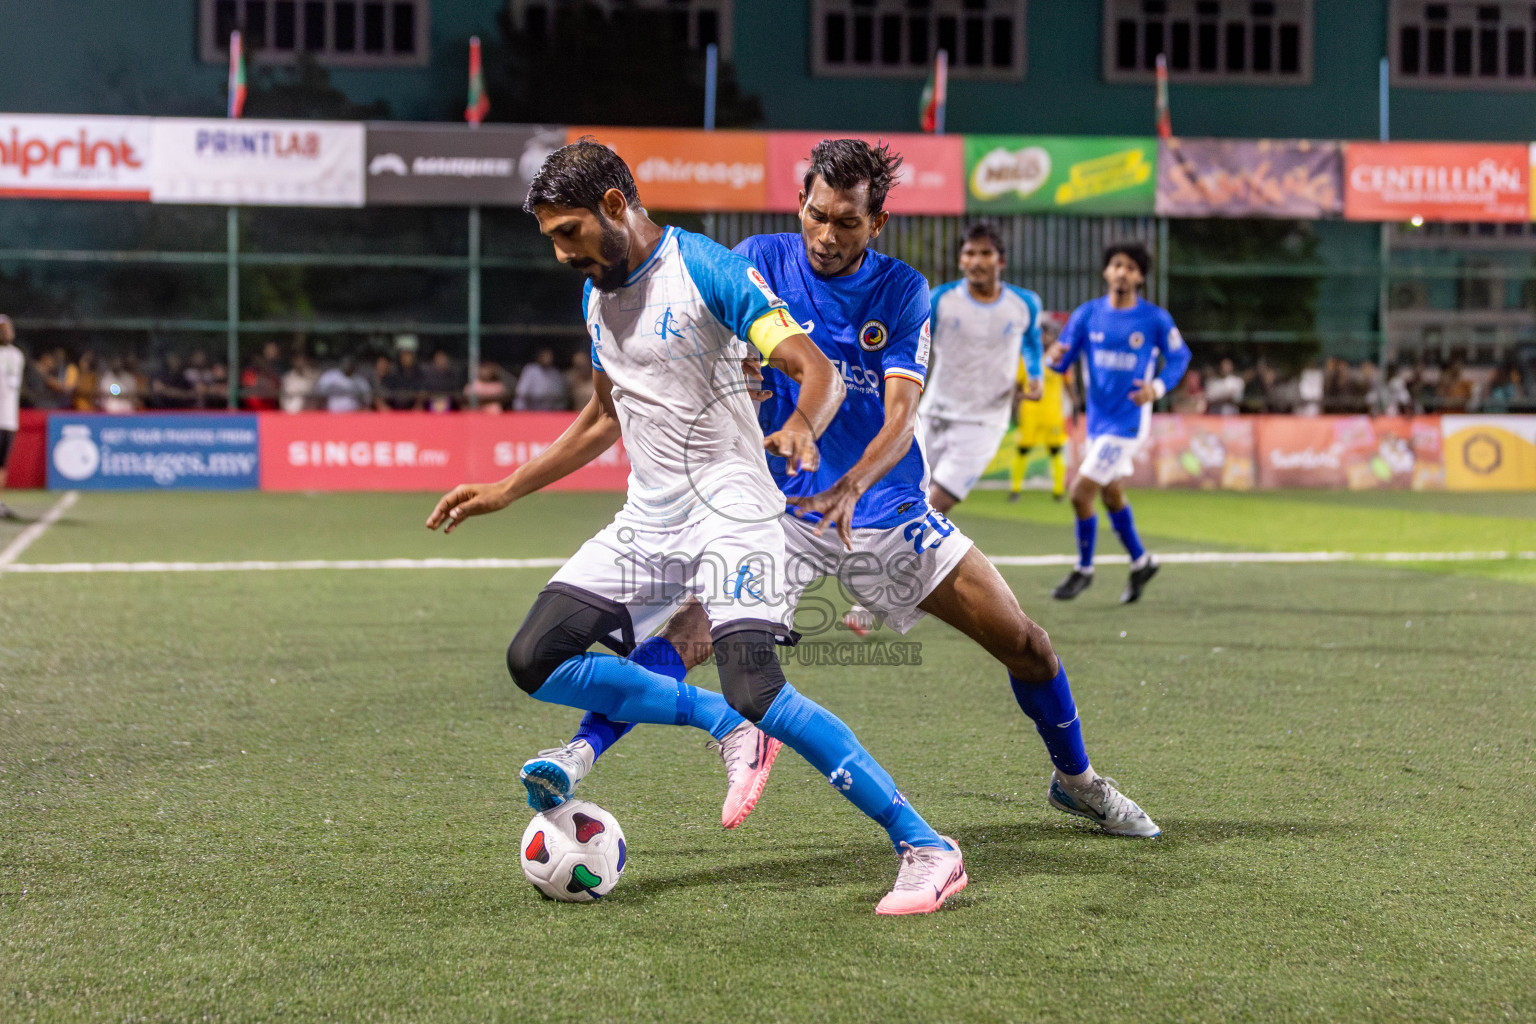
[1140,563]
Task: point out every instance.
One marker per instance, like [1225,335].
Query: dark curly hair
[848,163]
[1134,251]
[578,175]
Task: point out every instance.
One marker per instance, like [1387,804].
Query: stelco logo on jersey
[873,336]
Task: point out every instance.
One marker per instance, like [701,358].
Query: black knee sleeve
[1055,451]
[560,625]
[750,674]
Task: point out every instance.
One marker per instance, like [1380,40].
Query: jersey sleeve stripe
[911,375]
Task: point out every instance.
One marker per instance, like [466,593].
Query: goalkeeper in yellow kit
[1042,423]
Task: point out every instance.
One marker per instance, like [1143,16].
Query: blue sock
[821,738]
[1125,525]
[1087,535]
[623,691]
[1049,706]
[656,654]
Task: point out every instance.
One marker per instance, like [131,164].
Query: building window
[701,22]
[1257,42]
[352,33]
[1463,45]
[899,38]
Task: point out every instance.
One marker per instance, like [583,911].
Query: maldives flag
[479,103]
[934,94]
[236,76]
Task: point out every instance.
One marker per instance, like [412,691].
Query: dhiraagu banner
[1088,174]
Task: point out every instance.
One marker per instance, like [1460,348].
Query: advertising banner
[931,179]
[1442,181]
[55,156]
[1354,452]
[1109,175]
[1293,178]
[1489,453]
[1206,452]
[684,170]
[454,165]
[258,163]
[188,451]
[416,451]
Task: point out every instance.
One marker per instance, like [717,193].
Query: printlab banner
[47,156]
[408,451]
[1291,178]
[258,163]
[1397,181]
[454,165]
[681,170]
[191,451]
[1060,174]
[931,179]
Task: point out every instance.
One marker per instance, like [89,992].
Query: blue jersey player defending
[862,515]
[1120,338]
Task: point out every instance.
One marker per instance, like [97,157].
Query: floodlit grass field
[293,795]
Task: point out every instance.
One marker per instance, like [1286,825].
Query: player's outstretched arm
[594,432]
[887,448]
[821,394]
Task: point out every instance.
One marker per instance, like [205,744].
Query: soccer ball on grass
[574,853]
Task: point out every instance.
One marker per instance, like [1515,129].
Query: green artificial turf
[294,796]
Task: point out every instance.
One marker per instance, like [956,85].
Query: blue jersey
[1121,348]
[872,324]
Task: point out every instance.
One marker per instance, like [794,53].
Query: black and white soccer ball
[574,853]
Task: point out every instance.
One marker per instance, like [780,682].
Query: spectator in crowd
[43,386]
[200,379]
[1224,392]
[1505,390]
[343,388]
[168,388]
[1338,386]
[541,386]
[86,381]
[1377,392]
[298,385]
[440,380]
[1309,392]
[404,388]
[118,388]
[489,389]
[261,380]
[1454,392]
[1189,396]
[579,379]
[12,366]
[383,369]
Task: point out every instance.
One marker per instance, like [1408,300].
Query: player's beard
[614,265]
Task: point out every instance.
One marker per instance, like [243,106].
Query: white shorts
[733,565]
[889,571]
[958,451]
[1110,458]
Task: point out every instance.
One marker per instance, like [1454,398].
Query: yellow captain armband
[771,328]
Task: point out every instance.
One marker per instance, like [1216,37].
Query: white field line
[1170,558]
[26,537]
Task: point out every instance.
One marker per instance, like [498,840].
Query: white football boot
[1102,803]
[859,621]
[554,774]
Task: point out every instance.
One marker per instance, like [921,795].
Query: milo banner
[1098,175]
[1291,178]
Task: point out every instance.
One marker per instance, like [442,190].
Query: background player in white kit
[670,314]
[981,326]
[12,366]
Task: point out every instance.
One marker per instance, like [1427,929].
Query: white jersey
[670,341]
[12,363]
[976,350]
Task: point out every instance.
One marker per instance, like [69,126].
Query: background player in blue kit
[1119,338]
[869,314]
